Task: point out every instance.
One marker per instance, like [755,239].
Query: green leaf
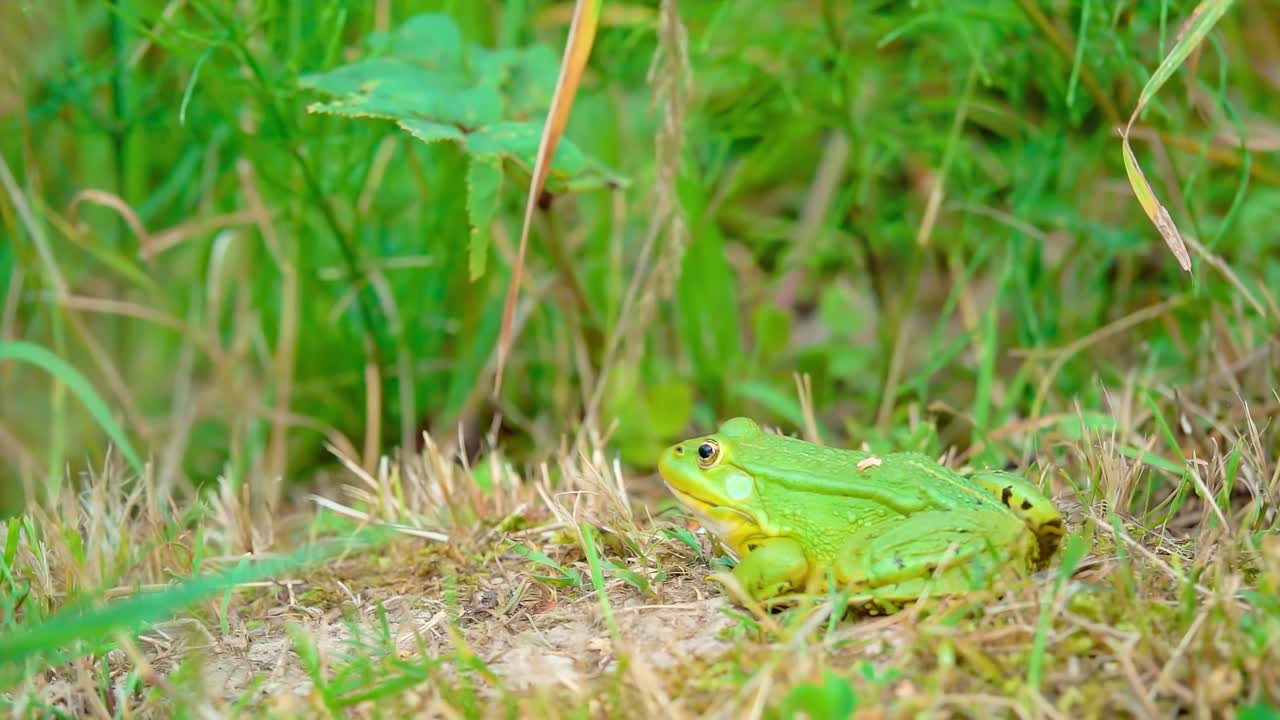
[834,308]
[1260,710]
[433,39]
[484,181]
[686,537]
[519,142]
[705,294]
[432,132]
[93,402]
[569,577]
[782,404]
[835,698]
[772,329]
[435,87]
[649,416]
[669,405]
[396,89]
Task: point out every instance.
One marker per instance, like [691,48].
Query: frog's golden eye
[708,453]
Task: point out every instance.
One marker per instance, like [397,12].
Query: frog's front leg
[772,567]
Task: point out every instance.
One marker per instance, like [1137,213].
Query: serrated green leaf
[398,89]
[430,38]
[432,132]
[531,81]
[423,76]
[519,141]
[484,182]
[81,387]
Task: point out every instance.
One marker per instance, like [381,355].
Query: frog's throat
[703,509]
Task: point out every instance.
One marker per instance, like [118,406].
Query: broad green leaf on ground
[1193,31]
[83,389]
[422,76]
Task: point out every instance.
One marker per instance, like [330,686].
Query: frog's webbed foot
[770,567]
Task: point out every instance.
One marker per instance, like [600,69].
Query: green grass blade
[96,626]
[597,582]
[93,402]
[1203,18]
[1072,554]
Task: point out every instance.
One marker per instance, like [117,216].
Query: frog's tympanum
[801,517]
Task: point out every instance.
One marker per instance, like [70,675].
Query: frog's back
[905,481]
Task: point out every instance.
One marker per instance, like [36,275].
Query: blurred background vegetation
[919,208]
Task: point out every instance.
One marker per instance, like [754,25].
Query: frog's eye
[708,453]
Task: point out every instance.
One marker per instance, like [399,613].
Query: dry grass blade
[151,244]
[1196,27]
[582,33]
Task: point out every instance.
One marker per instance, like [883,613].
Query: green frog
[800,516]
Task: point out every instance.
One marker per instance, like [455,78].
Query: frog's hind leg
[1025,500]
[896,563]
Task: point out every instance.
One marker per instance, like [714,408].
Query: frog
[803,518]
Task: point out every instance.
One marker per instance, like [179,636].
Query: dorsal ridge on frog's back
[764,449]
[846,472]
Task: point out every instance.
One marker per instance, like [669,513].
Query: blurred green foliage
[814,134]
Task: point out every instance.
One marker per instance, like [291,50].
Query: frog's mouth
[692,501]
[711,513]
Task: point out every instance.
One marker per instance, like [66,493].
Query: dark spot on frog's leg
[899,562]
[1005,494]
[1026,504]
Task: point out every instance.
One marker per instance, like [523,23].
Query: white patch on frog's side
[739,485]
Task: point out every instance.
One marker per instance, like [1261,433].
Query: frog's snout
[669,459]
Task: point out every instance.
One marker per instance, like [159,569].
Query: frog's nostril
[679,450]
